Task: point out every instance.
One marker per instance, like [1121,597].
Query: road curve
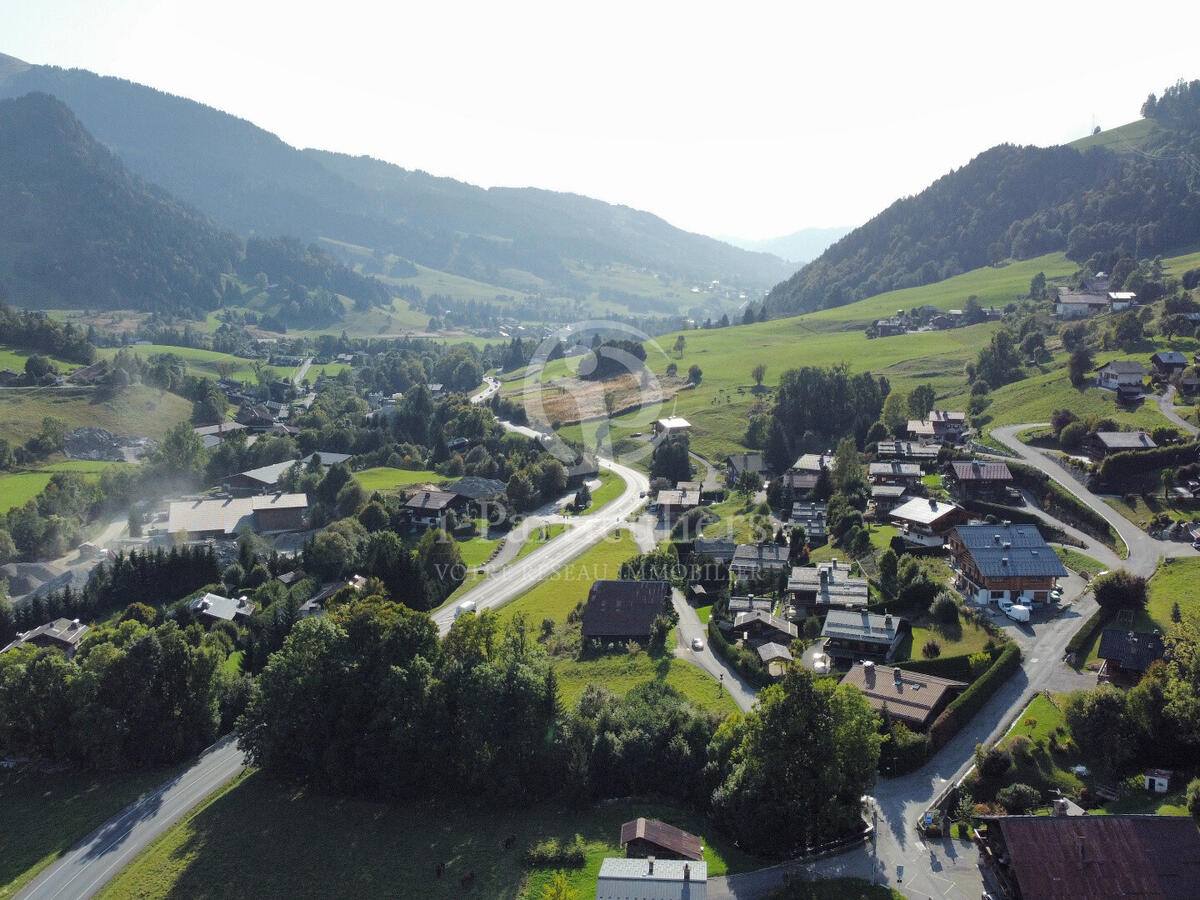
[88,866]
[1166,406]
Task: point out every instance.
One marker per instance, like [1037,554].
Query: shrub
[969,702]
[1193,797]
[1072,435]
[553,853]
[932,649]
[1018,798]
[996,762]
[945,608]
[1120,590]
[1020,746]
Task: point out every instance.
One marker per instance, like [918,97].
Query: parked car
[697,644]
[1005,604]
[1018,613]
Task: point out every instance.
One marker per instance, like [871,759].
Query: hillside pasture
[135,410]
[199,362]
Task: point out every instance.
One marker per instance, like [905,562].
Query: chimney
[650,859]
[824,574]
[687,872]
[897,678]
[1004,560]
[887,621]
[833,562]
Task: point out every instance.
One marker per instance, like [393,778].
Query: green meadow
[17,488]
[386,478]
[135,410]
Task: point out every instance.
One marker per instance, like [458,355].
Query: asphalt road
[900,856]
[86,868]
[1166,406]
[690,627]
[523,574]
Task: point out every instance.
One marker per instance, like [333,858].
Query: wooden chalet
[650,837]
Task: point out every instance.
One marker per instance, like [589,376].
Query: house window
[998,595]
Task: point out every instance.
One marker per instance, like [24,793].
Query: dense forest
[78,230]
[248,180]
[1019,202]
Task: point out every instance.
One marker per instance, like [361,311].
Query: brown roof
[975,470]
[623,608]
[916,696]
[430,501]
[676,840]
[1102,856]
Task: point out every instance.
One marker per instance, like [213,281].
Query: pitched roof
[783,626]
[837,586]
[477,488]
[895,469]
[761,556]
[66,633]
[217,607]
[623,608]
[861,626]
[749,462]
[1124,367]
[974,470]
[430,501]
[746,604]
[916,695]
[1125,440]
[666,836]
[813,462]
[771,651]
[717,548]
[673,422]
[1102,856]
[1131,649]
[226,515]
[1170,358]
[1010,550]
[626,879]
[907,449]
[923,511]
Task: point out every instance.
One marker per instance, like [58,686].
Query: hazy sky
[752,119]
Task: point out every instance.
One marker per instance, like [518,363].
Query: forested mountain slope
[1019,202]
[248,180]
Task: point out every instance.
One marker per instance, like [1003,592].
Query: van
[1018,613]
[467,606]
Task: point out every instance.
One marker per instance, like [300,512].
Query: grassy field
[738,521]
[560,591]
[1174,582]
[200,362]
[960,639]
[17,488]
[1121,138]
[477,550]
[385,478]
[44,815]
[1140,509]
[14,358]
[1078,562]
[543,535]
[135,410]
[611,487]
[621,671]
[258,839]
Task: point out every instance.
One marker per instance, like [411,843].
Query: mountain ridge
[250,181]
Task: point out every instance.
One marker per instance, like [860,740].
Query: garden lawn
[738,521]
[44,815]
[1045,770]
[17,488]
[1175,581]
[477,550]
[961,639]
[258,839]
[1140,509]
[1078,562]
[611,487]
[385,478]
[543,535]
[620,671]
[568,585]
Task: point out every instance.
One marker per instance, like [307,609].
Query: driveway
[690,627]
[1166,406]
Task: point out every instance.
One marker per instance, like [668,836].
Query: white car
[697,644]
[1005,604]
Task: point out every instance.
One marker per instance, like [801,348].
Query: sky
[747,119]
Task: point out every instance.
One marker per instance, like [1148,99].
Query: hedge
[956,668]
[744,662]
[1124,470]
[1088,629]
[1063,504]
[970,701]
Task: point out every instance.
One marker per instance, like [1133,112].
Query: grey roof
[761,556]
[1125,440]
[717,548]
[861,626]
[66,633]
[271,474]
[749,604]
[623,608]
[1131,649]
[1170,358]
[226,515]
[752,462]
[217,607]
[783,626]
[907,449]
[838,587]
[1012,550]
[430,501]
[771,651]
[477,488]
[888,490]
[813,462]
[895,469]
[630,879]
